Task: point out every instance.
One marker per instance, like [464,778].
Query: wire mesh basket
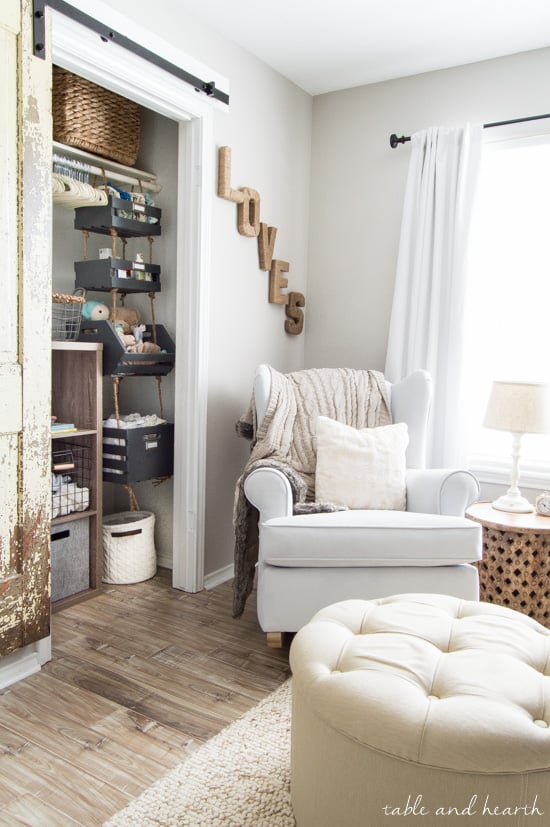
[71,478]
[66,315]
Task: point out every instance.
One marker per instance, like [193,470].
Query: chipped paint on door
[25,241]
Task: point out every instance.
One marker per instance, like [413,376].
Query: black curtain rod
[394,140]
[107,35]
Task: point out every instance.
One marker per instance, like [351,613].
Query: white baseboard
[25,662]
[219,576]
[215,578]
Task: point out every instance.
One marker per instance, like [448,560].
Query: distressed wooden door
[25,252]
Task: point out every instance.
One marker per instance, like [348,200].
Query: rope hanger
[116,380]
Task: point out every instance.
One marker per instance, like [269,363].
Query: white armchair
[308,561]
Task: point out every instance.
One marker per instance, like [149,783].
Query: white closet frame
[77,49]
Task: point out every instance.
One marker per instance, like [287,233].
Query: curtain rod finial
[394,140]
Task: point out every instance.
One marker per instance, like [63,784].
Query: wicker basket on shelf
[95,119]
[66,315]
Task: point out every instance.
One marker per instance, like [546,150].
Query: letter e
[276,281]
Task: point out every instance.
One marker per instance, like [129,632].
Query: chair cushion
[361,467]
[369,538]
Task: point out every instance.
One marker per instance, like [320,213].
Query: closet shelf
[76,457]
[74,515]
[122,274]
[130,176]
[130,220]
[117,361]
[62,435]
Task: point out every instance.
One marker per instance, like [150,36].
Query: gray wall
[357,188]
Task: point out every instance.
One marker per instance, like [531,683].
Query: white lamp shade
[519,407]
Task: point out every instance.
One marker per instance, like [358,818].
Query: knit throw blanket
[285,439]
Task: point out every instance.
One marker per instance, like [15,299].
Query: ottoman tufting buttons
[367,741]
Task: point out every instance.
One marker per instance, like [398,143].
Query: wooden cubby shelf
[77,534]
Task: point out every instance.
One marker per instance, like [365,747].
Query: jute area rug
[240,778]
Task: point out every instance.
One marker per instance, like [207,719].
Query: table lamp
[521,408]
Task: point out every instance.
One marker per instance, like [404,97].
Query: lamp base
[514,503]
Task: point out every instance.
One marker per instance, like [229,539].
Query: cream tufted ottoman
[420,709]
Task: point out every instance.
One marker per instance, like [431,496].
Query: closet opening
[176,145]
[142,400]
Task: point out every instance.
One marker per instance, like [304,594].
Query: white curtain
[426,328]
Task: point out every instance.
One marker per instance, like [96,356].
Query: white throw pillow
[361,468]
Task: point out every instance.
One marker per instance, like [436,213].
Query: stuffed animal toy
[93,311]
[138,332]
[128,339]
[126,316]
[144,347]
[134,345]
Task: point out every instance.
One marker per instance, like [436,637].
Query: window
[507,309]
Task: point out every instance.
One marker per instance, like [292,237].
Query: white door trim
[76,48]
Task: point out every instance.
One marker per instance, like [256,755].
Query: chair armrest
[441,491]
[269,491]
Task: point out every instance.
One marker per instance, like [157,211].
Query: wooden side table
[515,569]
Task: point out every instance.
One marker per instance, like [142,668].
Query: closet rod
[111,170]
[394,140]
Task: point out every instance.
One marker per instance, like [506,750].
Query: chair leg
[274,640]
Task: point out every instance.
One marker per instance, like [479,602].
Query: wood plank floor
[140,676]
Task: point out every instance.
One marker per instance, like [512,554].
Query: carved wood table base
[515,569]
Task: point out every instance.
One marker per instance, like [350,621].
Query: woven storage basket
[66,315]
[93,118]
[129,554]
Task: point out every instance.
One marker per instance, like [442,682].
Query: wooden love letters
[249,224]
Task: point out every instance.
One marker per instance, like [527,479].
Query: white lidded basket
[129,554]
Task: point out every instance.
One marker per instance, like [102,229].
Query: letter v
[266,245]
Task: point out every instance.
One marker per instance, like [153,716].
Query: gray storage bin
[70,558]
[138,454]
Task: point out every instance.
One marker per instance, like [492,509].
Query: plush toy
[128,339]
[126,316]
[93,311]
[132,343]
[144,347]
